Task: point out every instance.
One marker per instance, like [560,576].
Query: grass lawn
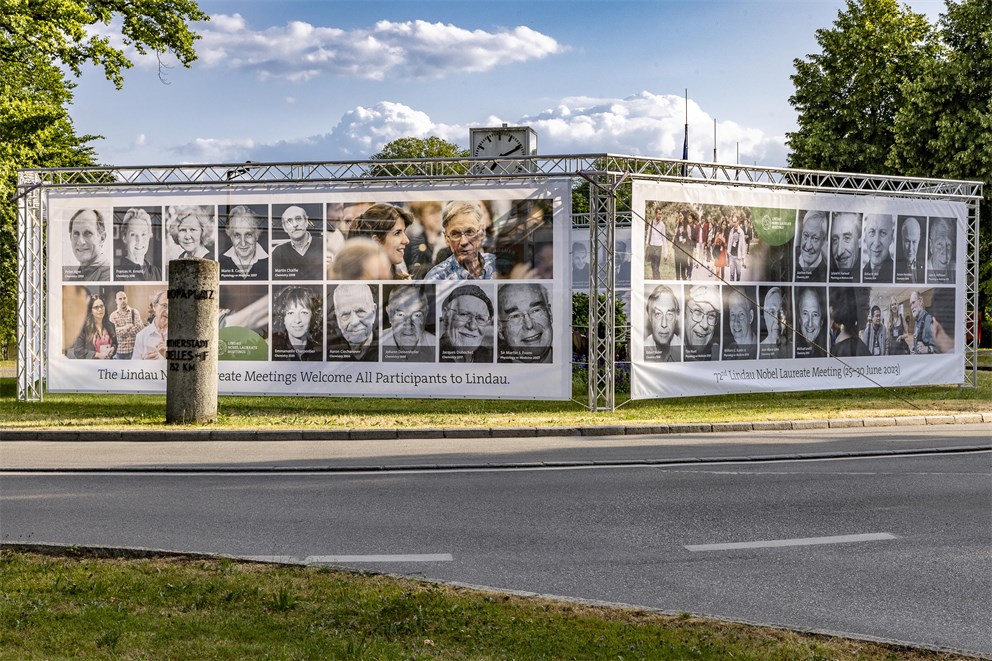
[96,411]
[79,606]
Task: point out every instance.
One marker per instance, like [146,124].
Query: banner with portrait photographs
[744,290]
[388,292]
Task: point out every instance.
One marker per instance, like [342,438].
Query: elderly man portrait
[525,325]
[353,323]
[811,318]
[464,234]
[811,245]
[845,247]
[776,319]
[742,322]
[701,321]
[878,237]
[467,326]
[246,259]
[139,256]
[909,249]
[663,326]
[128,322]
[408,314]
[87,238]
[150,342]
[940,251]
[302,256]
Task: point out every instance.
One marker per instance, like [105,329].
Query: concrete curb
[276,435]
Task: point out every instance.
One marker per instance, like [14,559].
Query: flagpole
[714,139]
[685,142]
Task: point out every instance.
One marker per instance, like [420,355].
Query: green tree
[847,96]
[944,127]
[412,148]
[38,38]
[60,31]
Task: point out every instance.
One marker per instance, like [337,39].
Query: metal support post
[31,269]
[602,292]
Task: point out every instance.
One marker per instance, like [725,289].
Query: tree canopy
[429,147]
[409,148]
[76,32]
[892,94]
[847,96]
[39,41]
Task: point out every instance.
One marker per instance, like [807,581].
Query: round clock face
[497,146]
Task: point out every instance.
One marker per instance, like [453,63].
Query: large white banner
[743,290]
[386,292]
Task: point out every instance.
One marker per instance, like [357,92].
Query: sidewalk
[423,449]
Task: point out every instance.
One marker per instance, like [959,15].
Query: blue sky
[329,79]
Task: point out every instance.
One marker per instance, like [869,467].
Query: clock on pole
[500,145]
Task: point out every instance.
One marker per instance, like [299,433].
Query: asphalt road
[920,572]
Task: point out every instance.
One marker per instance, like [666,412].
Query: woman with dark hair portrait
[191,228]
[386,225]
[297,321]
[845,339]
[98,337]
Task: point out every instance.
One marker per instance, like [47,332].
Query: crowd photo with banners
[739,291]
[383,279]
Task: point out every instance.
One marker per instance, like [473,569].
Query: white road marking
[407,557]
[802,541]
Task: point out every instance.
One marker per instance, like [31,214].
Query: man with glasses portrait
[463,232]
[702,320]
[407,339]
[525,325]
[302,257]
[467,326]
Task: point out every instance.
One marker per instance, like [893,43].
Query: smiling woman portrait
[386,225]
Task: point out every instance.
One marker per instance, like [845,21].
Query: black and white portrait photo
[138,248]
[86,253]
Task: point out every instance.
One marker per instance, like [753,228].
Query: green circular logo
[774,226]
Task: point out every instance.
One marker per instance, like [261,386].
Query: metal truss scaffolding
[606,173]
[31,270]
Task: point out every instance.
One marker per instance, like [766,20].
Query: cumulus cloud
[213,150]
[300,51]
[641,125]
[649,124]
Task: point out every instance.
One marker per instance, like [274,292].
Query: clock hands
[515,149]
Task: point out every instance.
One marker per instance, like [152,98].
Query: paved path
[416,449]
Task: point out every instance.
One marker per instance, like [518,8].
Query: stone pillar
[191,385]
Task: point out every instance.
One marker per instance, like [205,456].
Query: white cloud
[641,125]
[648,124]
[300,51]
[213,150]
